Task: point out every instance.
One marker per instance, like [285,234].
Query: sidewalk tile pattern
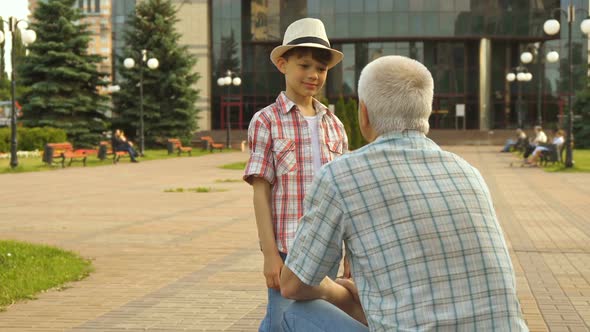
[190,261]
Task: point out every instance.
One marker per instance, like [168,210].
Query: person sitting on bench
[558,140]
[510,143]
[540,138]
[120,143]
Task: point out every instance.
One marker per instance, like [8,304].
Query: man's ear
[363,115]
[365,126]
[282,64]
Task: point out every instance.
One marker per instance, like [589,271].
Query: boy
[289,141]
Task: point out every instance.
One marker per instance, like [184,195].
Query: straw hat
[306,32]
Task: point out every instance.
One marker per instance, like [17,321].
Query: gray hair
[398,94]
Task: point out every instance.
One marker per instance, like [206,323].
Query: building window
[81,4]
[97,6]
[88,6]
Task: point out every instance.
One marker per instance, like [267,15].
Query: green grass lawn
[27,269]
[237,166]
[37,165]
[581,163]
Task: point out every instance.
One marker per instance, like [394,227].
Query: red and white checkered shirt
[280,145]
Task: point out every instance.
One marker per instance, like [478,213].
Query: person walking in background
[120,143]
[289,141]
[418,224]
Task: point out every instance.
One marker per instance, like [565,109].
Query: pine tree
[355,136]
[229,55]
[341,109]
[4,82]
[582,111]
[62,76]
[169,95]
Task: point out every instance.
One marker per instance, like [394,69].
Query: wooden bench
[552,155]
[106,149]
[176,144]
[65,151]
[211,144]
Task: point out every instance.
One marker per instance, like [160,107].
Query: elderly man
[418,224]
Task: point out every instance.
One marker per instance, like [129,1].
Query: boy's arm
[340,293]
[262,209]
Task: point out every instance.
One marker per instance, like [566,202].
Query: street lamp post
[228,81]
[152,63]
[521,75]
[28,37]
[551,27]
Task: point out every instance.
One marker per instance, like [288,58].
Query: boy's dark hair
[318,54]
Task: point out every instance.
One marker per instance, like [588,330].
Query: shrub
[582,121]
[29,139]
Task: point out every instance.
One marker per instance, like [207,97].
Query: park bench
[106,148]
[553,155]
[209,144]
[175,144]
[65,151]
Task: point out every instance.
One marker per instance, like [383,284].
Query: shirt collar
[407,139]
[401,134]
[286,104]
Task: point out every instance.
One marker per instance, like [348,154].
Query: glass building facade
[468,45]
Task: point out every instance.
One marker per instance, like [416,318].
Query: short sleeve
[317,248]
[260,163]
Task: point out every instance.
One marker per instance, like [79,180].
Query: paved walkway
[189,261]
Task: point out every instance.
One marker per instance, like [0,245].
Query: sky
[18,9]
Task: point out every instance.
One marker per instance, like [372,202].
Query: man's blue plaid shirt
[426,249]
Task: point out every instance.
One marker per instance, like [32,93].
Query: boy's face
[305,76]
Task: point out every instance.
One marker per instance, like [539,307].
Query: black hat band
[304,40]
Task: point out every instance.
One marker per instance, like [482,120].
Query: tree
[229,55]
[340,110]
[347,112]
[582,120]
[62,76]
[2,59]
[355,136]
[169,96]
[4,82]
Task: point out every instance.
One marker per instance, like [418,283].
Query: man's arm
[342,297]
[262,209]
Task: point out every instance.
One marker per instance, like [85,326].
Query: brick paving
[189,261]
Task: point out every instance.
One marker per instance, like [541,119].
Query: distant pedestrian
[289,141]
[540,138]
[520,138]
[120,143]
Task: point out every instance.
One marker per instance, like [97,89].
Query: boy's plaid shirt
[279,140]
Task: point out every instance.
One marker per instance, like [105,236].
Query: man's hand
[273,265]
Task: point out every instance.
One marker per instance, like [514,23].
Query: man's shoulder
[371,155]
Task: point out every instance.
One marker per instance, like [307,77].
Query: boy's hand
[350,286]
[273,264]
[350,303]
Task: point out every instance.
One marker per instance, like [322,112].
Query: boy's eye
[304,66]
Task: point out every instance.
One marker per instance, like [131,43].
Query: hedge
[29,139]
